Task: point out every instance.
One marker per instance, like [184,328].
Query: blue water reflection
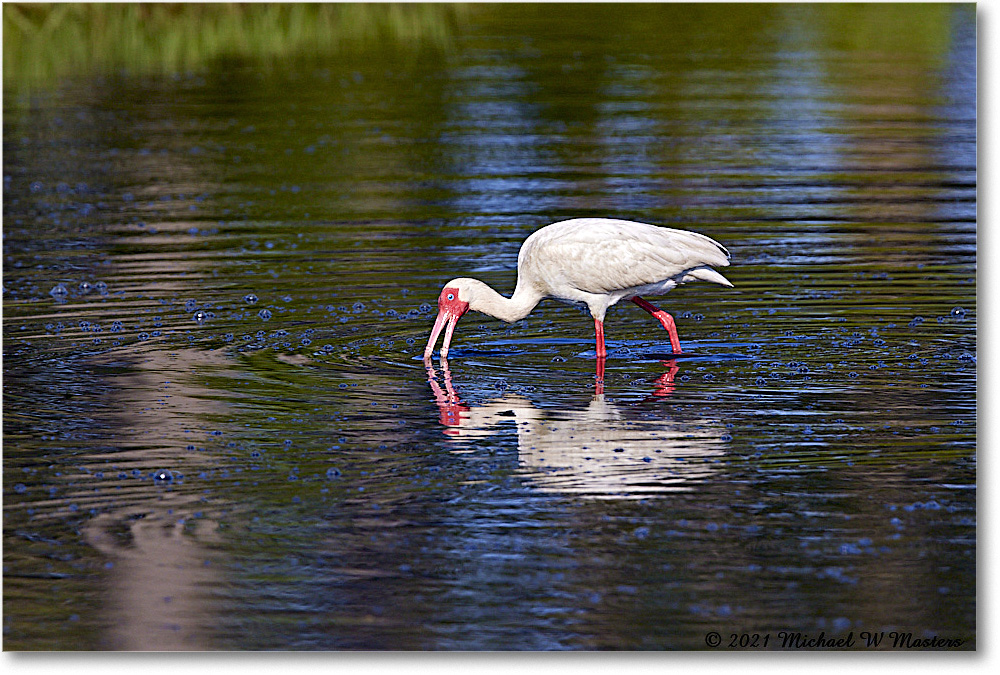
[229,274]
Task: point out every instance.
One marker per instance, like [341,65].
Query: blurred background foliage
[45,42]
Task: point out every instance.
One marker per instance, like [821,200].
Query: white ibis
[594,262]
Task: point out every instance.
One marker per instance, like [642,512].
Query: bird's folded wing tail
[706,274]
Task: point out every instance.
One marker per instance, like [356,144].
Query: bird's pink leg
[665,320]
[602,354]
[599,329]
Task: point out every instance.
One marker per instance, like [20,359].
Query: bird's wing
[599,255]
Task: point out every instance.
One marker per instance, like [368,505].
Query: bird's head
[452,304]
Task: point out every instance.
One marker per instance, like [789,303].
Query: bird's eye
[451,296]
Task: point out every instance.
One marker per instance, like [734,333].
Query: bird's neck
[509,309]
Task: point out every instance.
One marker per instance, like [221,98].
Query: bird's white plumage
[593,261]
[599,261]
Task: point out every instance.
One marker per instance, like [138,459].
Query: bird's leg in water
[665,320]
[599,329]
[599,377]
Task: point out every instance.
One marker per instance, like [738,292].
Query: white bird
[590,261]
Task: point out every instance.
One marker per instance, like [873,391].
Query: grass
[43,43]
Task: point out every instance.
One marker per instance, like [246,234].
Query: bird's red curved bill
[442,318]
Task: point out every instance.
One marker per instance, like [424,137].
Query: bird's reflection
[664,383]
[595,451]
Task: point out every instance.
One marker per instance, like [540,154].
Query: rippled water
[219,434]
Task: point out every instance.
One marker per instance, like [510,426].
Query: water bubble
[333,472]
[958,313]
[59,292]
[162,475]
[20,488]
[143,336]
[191,305]
[200,317]
[264,314]
[425,307]
[250,299]
[85,287]
[101,287]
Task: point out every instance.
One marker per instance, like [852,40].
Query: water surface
[219,433]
